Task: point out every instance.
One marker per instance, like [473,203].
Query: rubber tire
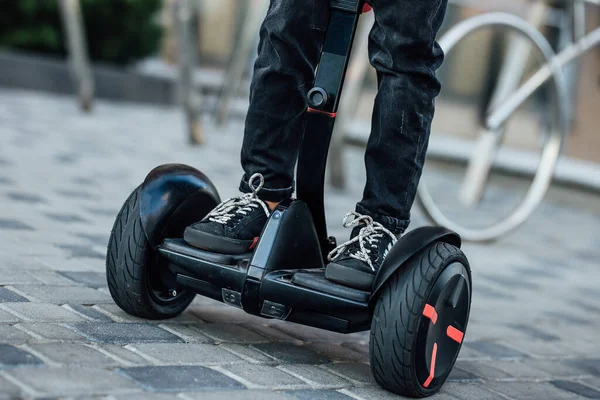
[128,261]
[397,315]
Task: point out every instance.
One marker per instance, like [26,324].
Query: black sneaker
[356,262]
[234,226]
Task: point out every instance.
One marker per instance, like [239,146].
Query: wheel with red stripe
[419,322]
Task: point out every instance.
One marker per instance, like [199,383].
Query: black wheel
[419,321]
[138,279]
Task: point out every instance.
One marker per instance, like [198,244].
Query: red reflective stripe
[454,334]
[366,8]
[430,313]
[312,110]
[432,369]
[254,241]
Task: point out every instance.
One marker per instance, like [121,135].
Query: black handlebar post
[323,100]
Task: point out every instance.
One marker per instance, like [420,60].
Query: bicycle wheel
[493,123]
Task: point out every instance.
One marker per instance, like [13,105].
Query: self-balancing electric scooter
[419,304]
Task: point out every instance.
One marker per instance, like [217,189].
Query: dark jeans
[405,54]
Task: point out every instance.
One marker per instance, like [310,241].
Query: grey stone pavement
[533,333]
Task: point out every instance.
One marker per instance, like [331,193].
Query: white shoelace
[241,205]
[367,238]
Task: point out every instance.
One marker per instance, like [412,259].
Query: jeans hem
[396,225]
[268,194]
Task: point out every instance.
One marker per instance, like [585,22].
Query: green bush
[118,31]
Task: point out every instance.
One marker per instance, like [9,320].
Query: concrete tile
[314,375]
[63,294]
[9,390]
[355,372]
[73,354]
[123,333]
[10,334]
[531,390]
[8,296]
[577,388]
[289,353]
[179,378]
[11,356]
[41,312]
[230,333]
[264,376]
[50,331]
[186,353]
[69,381]
[310,394]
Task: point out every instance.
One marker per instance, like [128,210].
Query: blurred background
[198,55]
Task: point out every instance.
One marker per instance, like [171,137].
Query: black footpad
[181,247]
[316,280]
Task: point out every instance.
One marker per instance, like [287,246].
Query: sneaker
[356,262]
[234,226]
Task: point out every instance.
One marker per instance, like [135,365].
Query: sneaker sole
[349,277]
[214,243]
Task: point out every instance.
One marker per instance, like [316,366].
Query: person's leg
[291,38]
[404,51]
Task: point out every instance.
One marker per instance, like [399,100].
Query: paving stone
[556,368]
[73,354]
[223,314]
[531,391]
[144,396]
[495,350]
[68,381]
[186,353]
[64,294]
[314,375]
[535,332]
[48,277]
[117,314]
[39,312]
[308,394]
[123,333]
[267,331]
[88,312]
[50,331]
[264,376]
[10,334]
[91,279]
[461,375]
[289,353]
[375,392]
[13,224]
[11,356]
[121,354]
[7,317]
[482,369]
[77,250]
[359,373]
[8,390]
[336,352]
[237,395]
[310,334]
[23,197]
[15,275]
[66,264]
[589,366]
[577,388]
[469,391]
[8,296]
[230,333]
[248,353]
[187,332]
[66,218]
[180,378]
